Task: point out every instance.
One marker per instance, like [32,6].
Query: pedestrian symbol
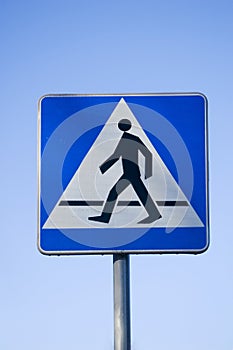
[127,149]
[122,182]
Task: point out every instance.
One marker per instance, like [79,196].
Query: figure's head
[124,124]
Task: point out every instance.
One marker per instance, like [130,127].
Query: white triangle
[88,184]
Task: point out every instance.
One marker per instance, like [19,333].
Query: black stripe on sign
[121,203]
[172,203]
[80,203]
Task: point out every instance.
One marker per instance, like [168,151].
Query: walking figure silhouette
[128,150]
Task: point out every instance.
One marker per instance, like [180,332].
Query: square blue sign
[123,174]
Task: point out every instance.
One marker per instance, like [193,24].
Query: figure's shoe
[101,218]
[149,219]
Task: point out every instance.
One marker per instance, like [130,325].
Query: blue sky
[178,302]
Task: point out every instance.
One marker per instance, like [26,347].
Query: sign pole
[121,280]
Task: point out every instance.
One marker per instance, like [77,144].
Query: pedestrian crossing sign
[123,174]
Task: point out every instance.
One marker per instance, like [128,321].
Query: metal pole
[121,276]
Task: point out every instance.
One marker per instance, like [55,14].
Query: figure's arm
[110,161]
[148,165]
[148,159]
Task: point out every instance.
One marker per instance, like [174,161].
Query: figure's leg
[110,203]
[148,203]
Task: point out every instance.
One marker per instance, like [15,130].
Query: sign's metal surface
[123,173]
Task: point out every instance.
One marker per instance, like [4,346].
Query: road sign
[123,173]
